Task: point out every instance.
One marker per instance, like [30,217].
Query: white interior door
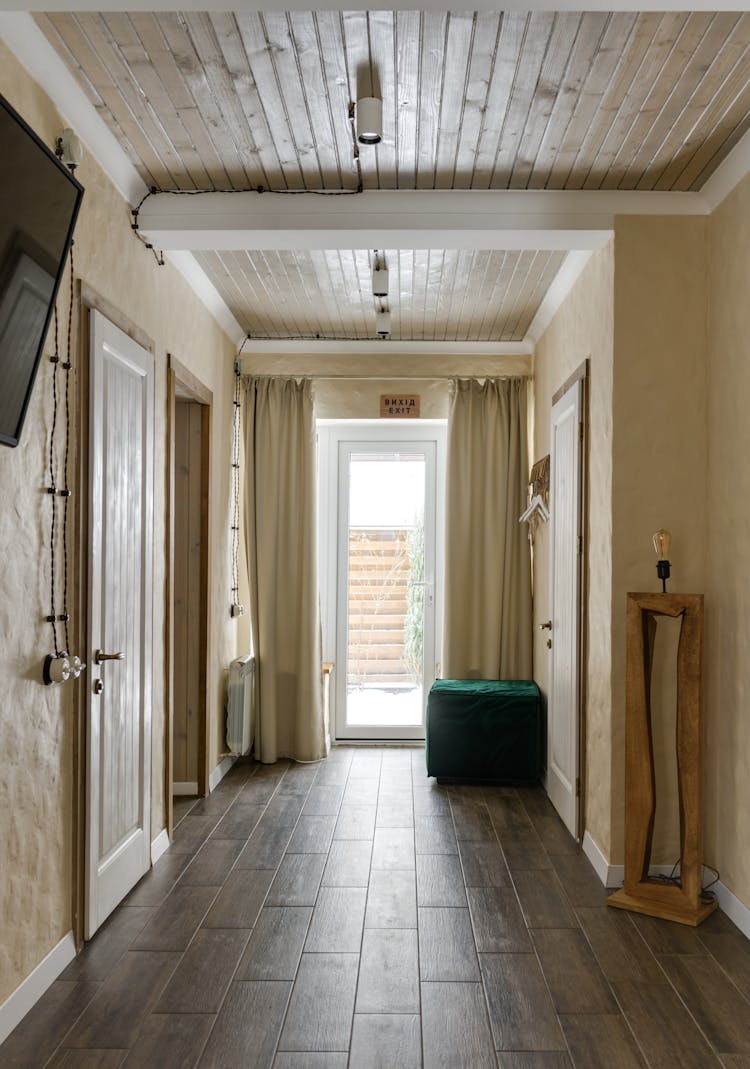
[121,443]
[563,713]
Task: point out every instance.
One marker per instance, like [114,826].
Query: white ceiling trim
[386,347]
[374,5]
[32,49]
[728,174]
[402,219]
[562,284]
[204,288]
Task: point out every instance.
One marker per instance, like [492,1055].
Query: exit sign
[403,407]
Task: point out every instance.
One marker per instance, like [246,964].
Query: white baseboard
[187,788]
[17,1005]
[736,910]
[159,845]
[220,772]
[597,859]
[613,875]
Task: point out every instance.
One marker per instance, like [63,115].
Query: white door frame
[565,786]
[108,879]
[386,434]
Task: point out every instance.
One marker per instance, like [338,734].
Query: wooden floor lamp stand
[683,902]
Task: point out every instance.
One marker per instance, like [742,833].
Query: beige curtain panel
[281,541]
[487,631]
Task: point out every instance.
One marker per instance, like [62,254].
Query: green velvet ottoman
[484,729]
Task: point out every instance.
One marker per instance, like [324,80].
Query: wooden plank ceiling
[643,101]
[453,295]
[470,101]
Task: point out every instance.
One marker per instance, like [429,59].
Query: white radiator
[240,705]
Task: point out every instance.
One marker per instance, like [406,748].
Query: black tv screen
[39,202]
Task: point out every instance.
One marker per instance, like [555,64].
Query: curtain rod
[378,378]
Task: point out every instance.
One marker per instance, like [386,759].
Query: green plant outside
[414,619]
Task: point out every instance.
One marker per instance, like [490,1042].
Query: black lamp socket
[663,571]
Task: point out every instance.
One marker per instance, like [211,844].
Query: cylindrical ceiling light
[379,277]
[383,323]
[369,120]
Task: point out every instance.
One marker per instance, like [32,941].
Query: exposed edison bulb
[662,543]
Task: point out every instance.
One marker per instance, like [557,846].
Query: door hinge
[579,544]
[580,430]
[578,787]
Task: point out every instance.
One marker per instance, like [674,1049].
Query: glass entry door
[386,588]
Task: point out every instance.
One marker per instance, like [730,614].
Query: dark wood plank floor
[357,914]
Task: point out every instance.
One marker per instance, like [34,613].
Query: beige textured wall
[659,463]
[35,722]
[727,801]
[583,329]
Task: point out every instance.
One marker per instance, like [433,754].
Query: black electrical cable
[157,190]
[52,489]
[319,337]
[706,893]
[236,483]
[53,617]
[65,492]
[673,878]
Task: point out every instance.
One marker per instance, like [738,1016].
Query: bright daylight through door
[385,628]
[383,636]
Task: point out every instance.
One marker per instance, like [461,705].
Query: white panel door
[563,713]
[386,586]
[121,443]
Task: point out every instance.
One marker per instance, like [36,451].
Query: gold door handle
[100,656]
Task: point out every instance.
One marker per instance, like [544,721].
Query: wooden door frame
[178,374]
[86,301]
[581,374]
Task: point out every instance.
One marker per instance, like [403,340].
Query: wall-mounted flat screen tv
[39,202]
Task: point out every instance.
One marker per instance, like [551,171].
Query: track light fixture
[383,322]
[369,120]
[379,276]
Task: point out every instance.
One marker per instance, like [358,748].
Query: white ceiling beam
[373,5]
[401,219]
